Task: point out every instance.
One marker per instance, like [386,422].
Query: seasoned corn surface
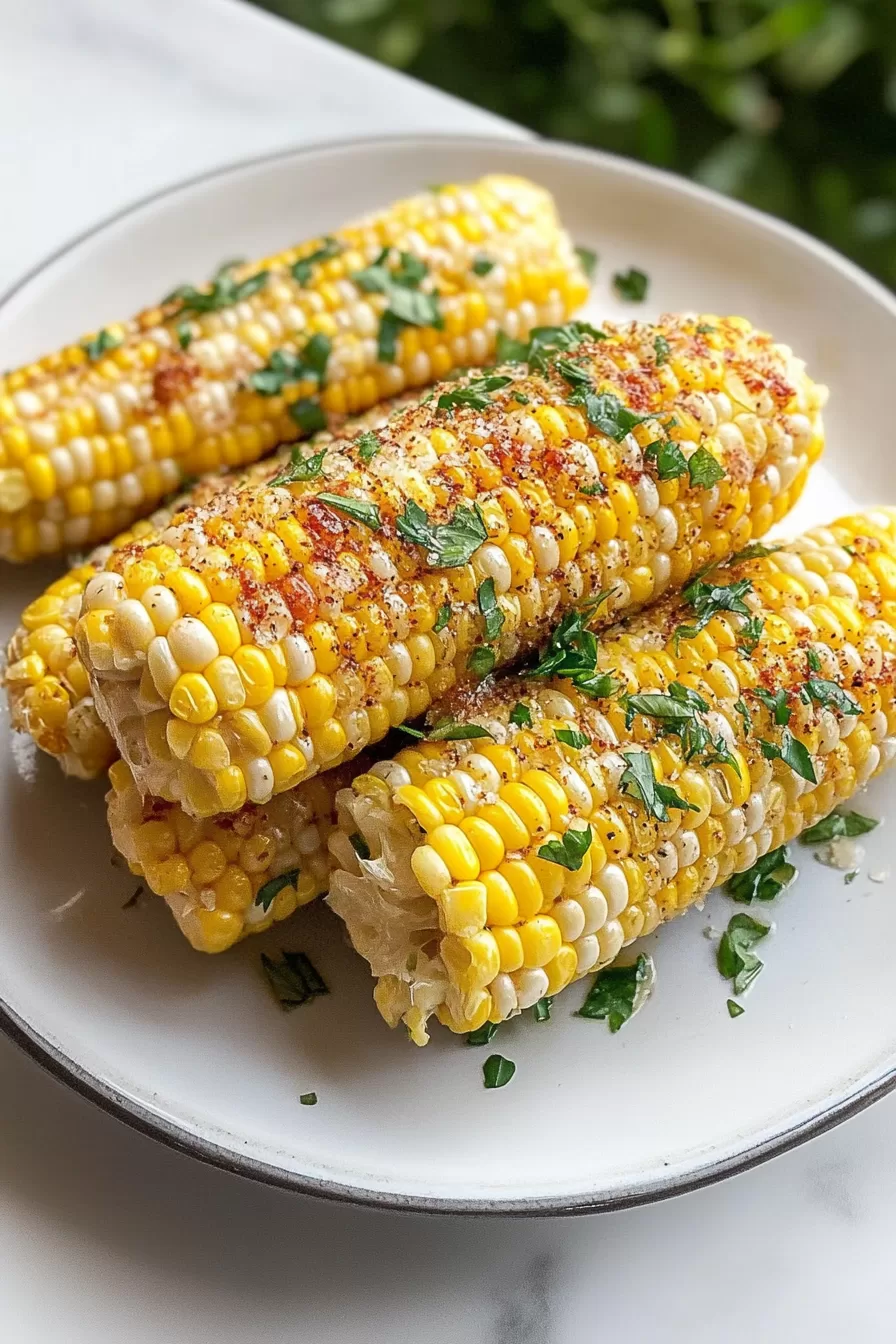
[94,435]
[45,681]
[505,867]
[226,877]
[293,625]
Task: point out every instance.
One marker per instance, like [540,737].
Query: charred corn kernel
[558,906]
[463,908]
[189,410]
[537,573]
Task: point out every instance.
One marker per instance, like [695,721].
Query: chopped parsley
[284,367]
[705,328]
[482,1035]
[669,459]
[301,269]
[510,351]
[443,616]
[818,691]
[368,445]
[521,715]
[184,335]
[274,885]
[678,714]
[407,305]
[571,737]
[595,488]
[639,781]
[476,394]
[662,349]
[308,1099]
[492,614]
[768,877]
[775,704]
[735,958]
[359,510]
[704,470]
[750,634]
[569,851]
[604,409]
[544,343]
[734,1009]
[587,261]
[631,284]
[448,730]
[301,468]
[541,1010]
[447,545]
[223,292]
[497,1071]
[792,752]
[618,992]
[359,845]
[838,824]
[308,415]
[482,265]
[813,660]
[102,342]
[572,653]
[481,661]
[850,877]
[294,980]
[708,599]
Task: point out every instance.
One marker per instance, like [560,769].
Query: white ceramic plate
[194,1050]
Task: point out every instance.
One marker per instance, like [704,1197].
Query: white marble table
[107,1236]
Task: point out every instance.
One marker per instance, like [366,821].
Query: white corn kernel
[192,644]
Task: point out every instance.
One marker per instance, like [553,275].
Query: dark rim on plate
[139,1117]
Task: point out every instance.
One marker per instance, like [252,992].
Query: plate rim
[132,1112]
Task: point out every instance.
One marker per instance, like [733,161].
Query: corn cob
[96,434]
[500,870]
[46,684]
[277,632]
[226,877]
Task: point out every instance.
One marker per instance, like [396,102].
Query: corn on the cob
[500,870]
[226,877]
[277,632]
[96,434]
[46,684]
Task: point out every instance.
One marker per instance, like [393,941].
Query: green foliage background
[787,104]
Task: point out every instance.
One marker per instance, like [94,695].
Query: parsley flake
[704,470]
[571,737]
[631,285]
[301,468]
[541,1010]
[359,510]
[708,599]
[481,661]
[521,715]
[587,261]
[670,461]
[734,1009]
[831,696]
[735,958]
[662,349]
[488,604]
[443,616]
[792,752]
[407,305]
[775,704]
[308,415]
[285,367]
[294,980]
[450,730]
[639,781]
[482,1035]
[301,269]
[768,877]
[269,890]
[838,824]
[223,292]
[572,652]
[359,845]
[102,342]
[308,1099]
[569,851]
[447,545]
[476,394]
[184,335]
[368,445]
[618,992]
[497,1071]
[482,265]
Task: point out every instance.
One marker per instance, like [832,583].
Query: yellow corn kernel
[463,908]
[430,870]
[207,862]
[552,794]
[550,876]
[507,823]
[502,905]
[510,949]
[329,740]
[318,697]
[504,759]
[255,674]
[456,851]
[190,591]
[447,799]
[192,699]
[233,890]
[217,929]
[561,969]
[525,886]
[471,963]
[208,750]
[222,623]
[528,807]
[540,940]
[168,876]
[421,807]
[485,840]
[230,788]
